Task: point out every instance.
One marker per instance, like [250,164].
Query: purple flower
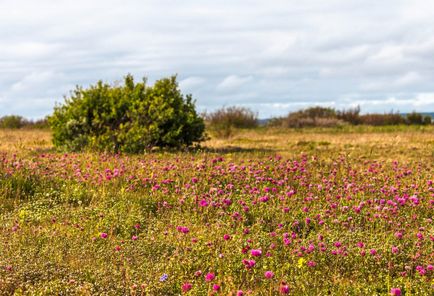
[103,235]
[164,277]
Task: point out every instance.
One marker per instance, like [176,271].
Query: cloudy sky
[271,56]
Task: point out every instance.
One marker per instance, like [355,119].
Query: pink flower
[186,287]
[395,291]
[268,274]
[226,237]
[311,263]
[183,229]
[373,252]
[240,293]
[103,235]
[284,289]
[134,237]
[209,277]
[398,235]
[395,250]
[249,263]
[216,287]
[256,252]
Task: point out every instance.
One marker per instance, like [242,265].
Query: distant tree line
[329,117]
[17,121]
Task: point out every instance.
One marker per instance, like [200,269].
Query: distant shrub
[130,117]
[239,117]
[12,121]
[415,118]
[223,121]
[382,119]
[427,119]
[310,117]
[351,115]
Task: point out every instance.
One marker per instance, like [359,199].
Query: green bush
[129,118]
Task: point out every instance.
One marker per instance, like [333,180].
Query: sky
[271,56]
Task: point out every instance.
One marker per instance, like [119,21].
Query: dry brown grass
[25,140]
[404,143]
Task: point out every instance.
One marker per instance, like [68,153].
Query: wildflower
[226,237]
[256,252]
[198,273]
[284,289]
[398,235]
[311,263]
[395,250]
[103,235]
[300,262]
[209,277]
[186,287]
[164,277]
[395,291]
[269,274]
[134,237]
[373,252]
[216,287]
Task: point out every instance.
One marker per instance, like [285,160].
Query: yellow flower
[301,262]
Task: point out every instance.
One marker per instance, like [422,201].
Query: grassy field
[345,211]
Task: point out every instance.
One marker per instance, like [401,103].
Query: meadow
[315,211]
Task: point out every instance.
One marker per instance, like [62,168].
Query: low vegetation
[306,212]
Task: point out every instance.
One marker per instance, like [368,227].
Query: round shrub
[131,117]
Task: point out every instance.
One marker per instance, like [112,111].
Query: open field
[266,212]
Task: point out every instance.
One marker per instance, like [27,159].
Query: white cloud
[225,52]
[191,82]
[232,82]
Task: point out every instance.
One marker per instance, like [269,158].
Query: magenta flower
[186,287]
[284,289]
[240,293]
[216,287]
[395,291]
[269,274]
[103,235]
[256,252]
[395,250]
[134,237]
[373,252]
[183,229]
[209,277]
[226,237]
